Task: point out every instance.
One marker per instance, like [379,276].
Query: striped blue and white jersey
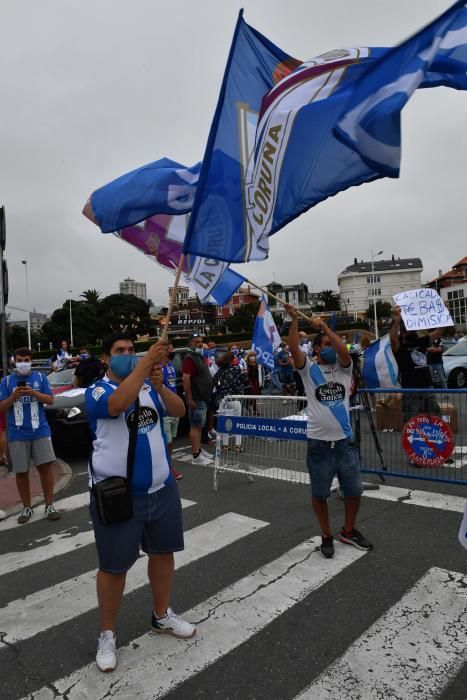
[328,392]
[151,469]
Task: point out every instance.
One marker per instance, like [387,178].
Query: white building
[358,287]
[138,289]
[295,294]
[455,299]
[37,320]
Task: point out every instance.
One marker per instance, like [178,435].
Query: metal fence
[420,434]
[262,436]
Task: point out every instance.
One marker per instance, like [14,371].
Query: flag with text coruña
[286,135]
[266,338]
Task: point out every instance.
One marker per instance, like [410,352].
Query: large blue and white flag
[266,338]
[380,367]
[273,155]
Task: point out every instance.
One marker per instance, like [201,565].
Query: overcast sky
[91,89]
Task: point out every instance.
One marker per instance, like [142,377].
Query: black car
[67,415]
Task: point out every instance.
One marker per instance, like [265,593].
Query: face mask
[171,355]
[328,355]
[84,356]
[200,351]
[235,352]
[206,353]
[123,365]
[23,368]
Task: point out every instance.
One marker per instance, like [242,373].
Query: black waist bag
[114,503]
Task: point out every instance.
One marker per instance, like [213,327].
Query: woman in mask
[229,382]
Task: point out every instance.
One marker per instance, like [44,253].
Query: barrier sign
[427,440]
[279,428]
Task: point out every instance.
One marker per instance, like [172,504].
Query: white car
[455,365]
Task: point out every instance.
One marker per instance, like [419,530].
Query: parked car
[455,365]
[67,415]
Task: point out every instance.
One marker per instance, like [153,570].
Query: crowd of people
[134,407]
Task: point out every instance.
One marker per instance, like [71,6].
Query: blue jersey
[151,469]
[169,376]
[26,418]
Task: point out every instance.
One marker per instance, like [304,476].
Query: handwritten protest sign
[422,308]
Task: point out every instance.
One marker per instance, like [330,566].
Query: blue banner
[278,428]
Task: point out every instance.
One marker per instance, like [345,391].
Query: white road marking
[52,546]
[412,651]
[25,617]
[224,622]
[426,499]
[65,504]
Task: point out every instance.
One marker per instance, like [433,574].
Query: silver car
[455,365]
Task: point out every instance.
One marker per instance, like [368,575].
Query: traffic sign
[427,440]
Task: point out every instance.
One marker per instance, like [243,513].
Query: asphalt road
[274,618]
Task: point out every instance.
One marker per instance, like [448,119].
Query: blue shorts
[197,416]
[326,459]
[156,527]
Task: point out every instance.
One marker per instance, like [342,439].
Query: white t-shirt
[111,437]
[328,392]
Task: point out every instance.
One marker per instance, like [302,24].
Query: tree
[330,299]
[17,336]
[123,312]
[383,311]
[91,297]
[86,324]
[244,318]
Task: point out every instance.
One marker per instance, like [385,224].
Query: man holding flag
[330,451]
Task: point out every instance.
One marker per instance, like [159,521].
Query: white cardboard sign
[422,308]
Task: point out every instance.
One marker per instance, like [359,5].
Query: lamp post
[70,291]
[373,256]
[25,263]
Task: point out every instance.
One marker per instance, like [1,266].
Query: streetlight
[25,263]
[70,291]
[373,256]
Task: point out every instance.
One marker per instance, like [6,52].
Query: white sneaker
[106,657]
[212,434]
[207,455]
[201,460]
[172,624]
[3,515]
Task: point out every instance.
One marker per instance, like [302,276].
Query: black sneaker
[327,547]
[356,539]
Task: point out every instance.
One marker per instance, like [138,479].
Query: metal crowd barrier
[262,436]
[418,434]
[414,433]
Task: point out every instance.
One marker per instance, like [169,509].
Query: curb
[65,476]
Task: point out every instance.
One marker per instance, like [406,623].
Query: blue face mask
[328,355]
[84,356]
[123,365]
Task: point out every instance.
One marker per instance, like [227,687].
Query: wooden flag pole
[165,332]
[273,296]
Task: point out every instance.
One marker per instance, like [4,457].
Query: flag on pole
[266,338]
[333,322]
[380,367]
[158,189]
[279,147]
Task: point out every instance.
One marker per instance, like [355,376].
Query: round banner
[427,440]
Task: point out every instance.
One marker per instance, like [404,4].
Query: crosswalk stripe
[412,651]
[26,617]
[426,499]
[52,546]
[224,622]
[64,504]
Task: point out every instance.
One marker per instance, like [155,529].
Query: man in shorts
[156,522]
[198,386]
[330,450]
[22,396]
